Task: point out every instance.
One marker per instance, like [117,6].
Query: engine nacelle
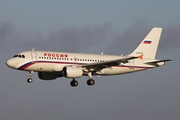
[47,75]
[57,68]
[72,72]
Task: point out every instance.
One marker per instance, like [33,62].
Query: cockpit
[20,56]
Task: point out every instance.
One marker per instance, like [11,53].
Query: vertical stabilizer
[149,45]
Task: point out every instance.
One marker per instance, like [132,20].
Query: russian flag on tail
[147,42]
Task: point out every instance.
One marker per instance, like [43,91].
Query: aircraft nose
[11,63]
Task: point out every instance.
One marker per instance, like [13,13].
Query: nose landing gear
[30,80]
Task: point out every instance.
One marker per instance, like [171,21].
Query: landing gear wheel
[90,82]
[74,83]
[29,80]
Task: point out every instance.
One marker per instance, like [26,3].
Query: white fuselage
[46,61]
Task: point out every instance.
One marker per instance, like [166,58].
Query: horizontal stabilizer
[157,61]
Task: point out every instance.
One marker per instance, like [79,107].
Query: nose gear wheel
[30,80]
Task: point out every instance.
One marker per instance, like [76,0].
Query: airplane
[51,65]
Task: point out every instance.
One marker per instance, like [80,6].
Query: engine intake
[72,72]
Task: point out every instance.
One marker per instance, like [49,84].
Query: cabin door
[34,56]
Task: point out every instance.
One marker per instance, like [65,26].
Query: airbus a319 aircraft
[51,65]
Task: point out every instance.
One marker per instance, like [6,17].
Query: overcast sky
[90,26]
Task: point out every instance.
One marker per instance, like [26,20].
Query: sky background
[90,26]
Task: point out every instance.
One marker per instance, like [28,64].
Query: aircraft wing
[107,64]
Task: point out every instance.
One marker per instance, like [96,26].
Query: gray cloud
[80,39]
[67,39]
[170,37]
[131,37]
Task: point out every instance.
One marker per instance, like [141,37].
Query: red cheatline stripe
[24,66]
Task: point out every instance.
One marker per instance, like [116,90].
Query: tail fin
[149,45]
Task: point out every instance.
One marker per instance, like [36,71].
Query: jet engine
[72,72]
[57,68]
[47,75]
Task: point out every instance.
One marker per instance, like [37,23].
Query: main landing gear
[90,82]
[30,80]
[74,83]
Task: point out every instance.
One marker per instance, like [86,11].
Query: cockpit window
[15,55]
[20,56]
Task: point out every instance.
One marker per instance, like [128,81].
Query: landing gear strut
[30,80]
[90,82]
[74,83]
